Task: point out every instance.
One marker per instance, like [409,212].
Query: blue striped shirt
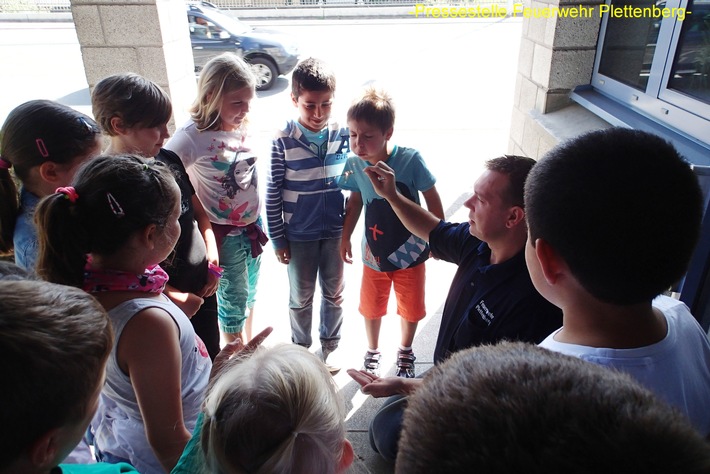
[303,201]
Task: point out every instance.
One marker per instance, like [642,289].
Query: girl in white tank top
[107,234]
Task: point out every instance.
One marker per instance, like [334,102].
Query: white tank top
[118,426]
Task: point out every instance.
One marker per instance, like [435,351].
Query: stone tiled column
[556,54]
[147,37]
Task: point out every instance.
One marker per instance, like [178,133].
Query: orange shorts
[408,289]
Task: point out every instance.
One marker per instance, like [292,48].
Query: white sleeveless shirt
[118,426]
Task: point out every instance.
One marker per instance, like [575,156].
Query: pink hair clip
[42,148]
[69,192]
[115,206]
[4,164]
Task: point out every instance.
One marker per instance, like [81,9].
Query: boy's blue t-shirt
[318,140]
[387,245]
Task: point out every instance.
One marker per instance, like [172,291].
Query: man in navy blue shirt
[491,296]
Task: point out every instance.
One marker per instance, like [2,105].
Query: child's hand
[346,251]
[383,179]
[210,287]
[236,347]
[283,255]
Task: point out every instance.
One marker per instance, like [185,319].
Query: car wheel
[265,72]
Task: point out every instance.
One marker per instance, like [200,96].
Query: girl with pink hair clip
[42,143]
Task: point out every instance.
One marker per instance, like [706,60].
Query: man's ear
[294,99]
[43,452]
[388,133]
[49,172]
[346,459]
[551,264]
[516,215]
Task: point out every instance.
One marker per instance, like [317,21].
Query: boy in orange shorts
[391,254]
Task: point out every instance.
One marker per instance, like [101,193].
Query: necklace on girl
[152,280]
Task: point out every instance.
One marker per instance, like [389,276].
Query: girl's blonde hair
[224,73]
[275,411]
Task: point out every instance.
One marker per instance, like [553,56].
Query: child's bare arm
[203,223]
[353,208]
[433,202]
[149,352]
[189,303]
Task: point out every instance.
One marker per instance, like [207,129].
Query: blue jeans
[237,287]
[386,427]
[319,259]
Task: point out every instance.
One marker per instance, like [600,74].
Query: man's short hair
[312,75]
[517,169]
[621,207]
[516,408]
[54,342]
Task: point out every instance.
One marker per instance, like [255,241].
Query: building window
[654,57]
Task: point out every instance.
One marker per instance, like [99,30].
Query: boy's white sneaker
[323,354]
[372,362]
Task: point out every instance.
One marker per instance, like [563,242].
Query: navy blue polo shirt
[487,303]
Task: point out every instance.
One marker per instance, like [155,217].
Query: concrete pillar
[146,37]
[556,54]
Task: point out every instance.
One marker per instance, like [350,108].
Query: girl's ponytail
[63,240]
[9,208]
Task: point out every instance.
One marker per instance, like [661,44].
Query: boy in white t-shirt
[613,217]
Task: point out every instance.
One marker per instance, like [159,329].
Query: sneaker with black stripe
[372,363]
[405,364]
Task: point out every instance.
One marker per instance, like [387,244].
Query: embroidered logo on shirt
[485,313]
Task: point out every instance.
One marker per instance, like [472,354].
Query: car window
[201,28]
[229,23]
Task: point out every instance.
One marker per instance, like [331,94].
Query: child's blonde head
[276,411]
[375,107]
[224,73]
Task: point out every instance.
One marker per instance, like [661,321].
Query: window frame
[686,115]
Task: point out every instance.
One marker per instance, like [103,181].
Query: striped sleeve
[274,196]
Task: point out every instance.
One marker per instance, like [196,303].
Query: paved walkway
[272,309]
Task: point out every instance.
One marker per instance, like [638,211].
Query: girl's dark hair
[137,101]
[33,133]
[116,197]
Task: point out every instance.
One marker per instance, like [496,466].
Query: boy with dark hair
[613,218]
[54,343]
[393,257]
[514,407]
[304,206]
